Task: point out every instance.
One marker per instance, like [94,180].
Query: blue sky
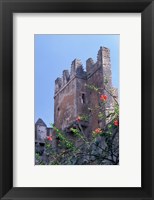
[54,53]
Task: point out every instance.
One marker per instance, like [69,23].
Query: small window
[58,109]
[83,98]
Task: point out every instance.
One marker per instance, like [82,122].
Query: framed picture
[74,128]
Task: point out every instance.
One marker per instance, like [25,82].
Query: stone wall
[72,96]
[41,133]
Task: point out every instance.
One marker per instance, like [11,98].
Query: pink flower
[116,123]
[98,130]
[103,97]
[78,119]
[49,138]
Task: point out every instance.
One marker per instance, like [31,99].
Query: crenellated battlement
[77,70]
[58,84]
[89,65]
[73,98]
[65,77]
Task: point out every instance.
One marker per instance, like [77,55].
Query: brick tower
[73,98]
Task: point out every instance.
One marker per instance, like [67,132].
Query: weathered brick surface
[72,96]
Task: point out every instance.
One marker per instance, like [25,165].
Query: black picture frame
[7,8]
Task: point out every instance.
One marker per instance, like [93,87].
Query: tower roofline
[40,122]
[78,71]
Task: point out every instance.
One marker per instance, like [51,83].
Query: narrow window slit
[83,98]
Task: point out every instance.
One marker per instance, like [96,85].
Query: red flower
[78,119]
[116,123]
[98,130]
[49,138]
[103,97]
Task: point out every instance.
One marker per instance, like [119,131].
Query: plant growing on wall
[100,148]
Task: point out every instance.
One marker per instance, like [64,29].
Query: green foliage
[84,117]
[116,110]
[101,115]
[86,150]
[92,87]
